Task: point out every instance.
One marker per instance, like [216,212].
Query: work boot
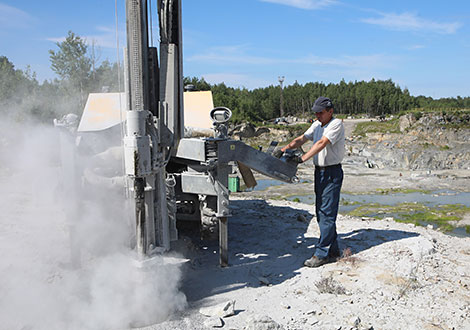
[334,255]
[315,262]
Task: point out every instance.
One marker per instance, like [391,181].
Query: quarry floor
[391,276]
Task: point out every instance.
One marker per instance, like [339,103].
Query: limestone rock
[262,322]
[406,122]
[354,321]
[221,310]
[245,130]
[261,130]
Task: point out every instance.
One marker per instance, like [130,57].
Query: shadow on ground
[267,245]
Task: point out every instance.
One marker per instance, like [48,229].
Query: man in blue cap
[327,134]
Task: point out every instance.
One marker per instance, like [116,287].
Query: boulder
[245,130]
[221,310]
[261,130]
[406,122]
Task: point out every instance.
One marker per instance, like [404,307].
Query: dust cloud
[65,239]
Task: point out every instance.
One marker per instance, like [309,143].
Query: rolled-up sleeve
[309,133]
[333,131]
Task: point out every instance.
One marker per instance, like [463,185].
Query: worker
[327,134]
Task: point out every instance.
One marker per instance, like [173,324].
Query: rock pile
[431,142]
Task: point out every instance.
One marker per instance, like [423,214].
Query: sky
[421,45]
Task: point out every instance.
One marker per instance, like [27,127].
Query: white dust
[67,261]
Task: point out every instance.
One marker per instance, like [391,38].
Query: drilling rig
[170,176]
[154,124]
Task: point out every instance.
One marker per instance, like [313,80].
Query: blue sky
[421,45]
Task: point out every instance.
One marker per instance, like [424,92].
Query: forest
[79,72]
[371,98]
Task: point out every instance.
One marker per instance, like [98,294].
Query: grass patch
[345,202]
[450,118]
[418,214]
[388,191]
[368,209]
[420,218]
[390,126]
[426,145]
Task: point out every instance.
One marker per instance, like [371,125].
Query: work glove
[297,159]
[278,153]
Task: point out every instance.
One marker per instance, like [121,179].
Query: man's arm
[297,142]
[316,148]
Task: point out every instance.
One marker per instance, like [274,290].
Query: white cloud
[256,69]
[236,80]
[415,47]
[351,61]
[411,22]
[230,55]
[104,38]
[304,4]
[11,17]
[218,58]
[56,39]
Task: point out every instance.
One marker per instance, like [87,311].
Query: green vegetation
[417,114]
[389,126]
[294,130]
[345,202]
[449,118]
[373,98]
[80,72]
[426,145]
[23,98]
[415,213]
[401,191]
[368,209]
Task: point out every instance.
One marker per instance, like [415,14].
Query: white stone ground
[393,276]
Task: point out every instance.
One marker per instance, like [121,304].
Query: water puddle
[414,206]
[264,184]
[435,198]
[390,204]
[350,202]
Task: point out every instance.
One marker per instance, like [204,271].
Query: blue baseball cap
[322,103]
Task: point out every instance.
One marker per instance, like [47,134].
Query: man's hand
[278,153]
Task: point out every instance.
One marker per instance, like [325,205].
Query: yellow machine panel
[197,106]
[102,111]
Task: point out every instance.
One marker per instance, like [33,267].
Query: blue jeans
[327,189]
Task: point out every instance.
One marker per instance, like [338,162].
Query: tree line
[80,72]
[23,98]
[373,98]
